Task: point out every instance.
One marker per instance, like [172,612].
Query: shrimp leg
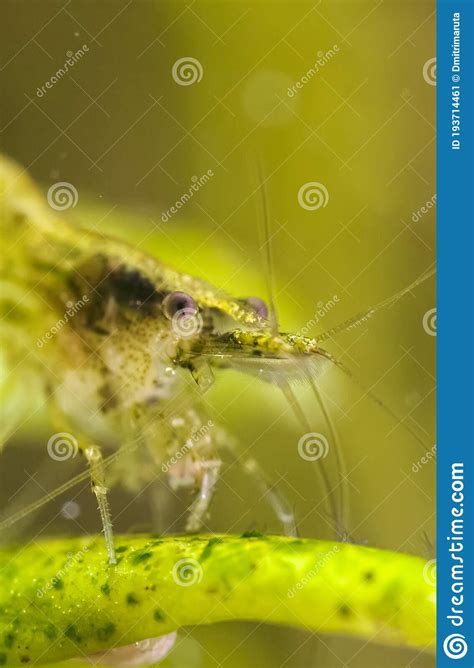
[274,499]
[199,509]
[95,460]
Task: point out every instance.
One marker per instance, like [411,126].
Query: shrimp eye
[258,306]
[178,301]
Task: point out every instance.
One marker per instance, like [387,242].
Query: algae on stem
[61,599]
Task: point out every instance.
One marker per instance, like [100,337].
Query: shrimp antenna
[362,316]
[266,250]
[340,459]
[356,320]
[336,511]
[374,398]
[338,508]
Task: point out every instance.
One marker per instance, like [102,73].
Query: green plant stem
[61,598]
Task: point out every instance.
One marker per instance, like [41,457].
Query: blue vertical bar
[455,331]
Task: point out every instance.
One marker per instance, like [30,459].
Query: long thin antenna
[341,462]
[332,504]
[365,315]
[339,515]
[373,397]
[266,249]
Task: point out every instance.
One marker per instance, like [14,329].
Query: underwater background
[132,137]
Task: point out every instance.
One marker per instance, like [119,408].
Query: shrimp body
[121,346]
[106,332]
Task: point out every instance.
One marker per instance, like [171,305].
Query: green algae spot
[105,589]
[106,632]
[344,610]
[209,547]
[50,632]
[252,534]
[8,640]
[57,584]
[71,632]
[121,548]
[158,616]
[132,599]
[138,557]
[3,659]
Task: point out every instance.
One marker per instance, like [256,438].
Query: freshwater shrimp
[117,364]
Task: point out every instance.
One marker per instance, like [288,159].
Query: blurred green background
[130,139]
